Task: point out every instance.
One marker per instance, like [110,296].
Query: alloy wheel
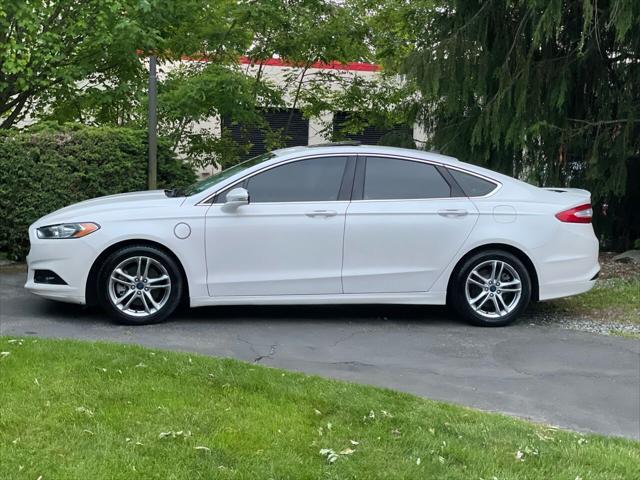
[493,289]
[139,286]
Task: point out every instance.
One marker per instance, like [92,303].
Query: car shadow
[334,314]
[324,313]
[61,311]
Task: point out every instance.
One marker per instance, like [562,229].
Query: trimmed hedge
[44,170]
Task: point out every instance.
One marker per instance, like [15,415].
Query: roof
[351,149]
[293,153]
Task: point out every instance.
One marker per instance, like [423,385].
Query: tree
[300,32]
[547,90]
[198,91]
[47,47]
[83,61]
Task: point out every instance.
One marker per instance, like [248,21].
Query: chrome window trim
[208,201]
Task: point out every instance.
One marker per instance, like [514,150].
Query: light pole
[152,168]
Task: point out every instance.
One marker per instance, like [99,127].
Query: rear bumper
[567,289]
[569,265]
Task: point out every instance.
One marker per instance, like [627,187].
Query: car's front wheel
[139,284]
[491,288]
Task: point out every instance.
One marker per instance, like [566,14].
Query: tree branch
[22,100]
[604,122]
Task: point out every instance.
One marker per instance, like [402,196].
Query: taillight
[580,214]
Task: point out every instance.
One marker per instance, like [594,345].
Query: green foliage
[46,48]
[81,61]
[305,31]
[383,102]
[84,62]
[46,169]
[301,32]
[199,91]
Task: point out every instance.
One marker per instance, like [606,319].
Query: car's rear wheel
[491,288]
[139,285]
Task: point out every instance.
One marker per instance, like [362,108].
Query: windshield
[205,183]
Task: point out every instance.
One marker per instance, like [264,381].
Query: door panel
[395,243]
[402,246]
[288,239]
[275,248]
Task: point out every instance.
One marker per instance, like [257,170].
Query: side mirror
[236,197]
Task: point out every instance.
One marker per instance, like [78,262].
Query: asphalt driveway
[572,379]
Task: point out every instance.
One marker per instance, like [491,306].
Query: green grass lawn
[614,299]
[72,410]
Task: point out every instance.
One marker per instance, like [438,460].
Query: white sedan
[331,224]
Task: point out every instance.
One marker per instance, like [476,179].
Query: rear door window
[397,179]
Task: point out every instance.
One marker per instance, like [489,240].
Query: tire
[139,285]
[480,297]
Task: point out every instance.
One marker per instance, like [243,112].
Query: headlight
[67,230]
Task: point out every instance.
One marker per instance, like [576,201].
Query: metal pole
[152,172]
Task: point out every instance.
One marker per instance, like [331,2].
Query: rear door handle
[452,212]
[321,213]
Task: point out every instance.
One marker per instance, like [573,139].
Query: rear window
[471,185]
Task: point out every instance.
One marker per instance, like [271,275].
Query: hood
[86,210]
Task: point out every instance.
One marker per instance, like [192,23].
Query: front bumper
[71,259]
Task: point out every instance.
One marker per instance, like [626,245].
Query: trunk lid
[575,192]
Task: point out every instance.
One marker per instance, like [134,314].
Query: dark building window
[396,136]
[296,134]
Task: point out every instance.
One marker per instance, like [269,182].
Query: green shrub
[42,170]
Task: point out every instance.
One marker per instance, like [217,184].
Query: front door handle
[321,213]
[452,212]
